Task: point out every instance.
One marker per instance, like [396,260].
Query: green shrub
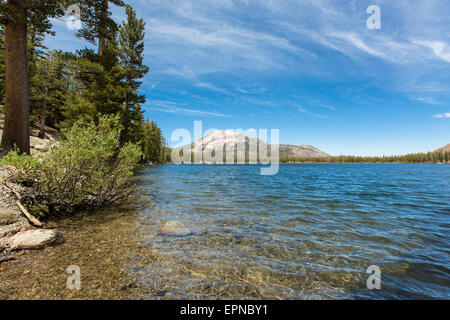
[86,171]
[26,166]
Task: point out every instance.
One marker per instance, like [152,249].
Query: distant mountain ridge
[229,140]
[304,151]
[444,149]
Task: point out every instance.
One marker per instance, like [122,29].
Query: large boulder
[36,239]
[175,229]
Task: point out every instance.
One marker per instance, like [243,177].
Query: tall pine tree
[99,28]
[131,44]
[37,52]
[50,87]
[17,16]
[154,143]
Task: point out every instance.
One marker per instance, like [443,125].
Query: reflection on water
[308,233]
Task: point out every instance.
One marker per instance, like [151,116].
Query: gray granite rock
[36,239]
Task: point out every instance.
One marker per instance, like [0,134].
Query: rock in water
[7,258]
[175,229]
[36,239]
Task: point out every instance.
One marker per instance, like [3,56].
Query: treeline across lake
[430,157]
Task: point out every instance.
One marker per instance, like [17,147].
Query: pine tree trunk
[43,115]
[101,51]
[102,28]
[52,120]
[17,116]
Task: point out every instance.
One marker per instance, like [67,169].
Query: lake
[309,232]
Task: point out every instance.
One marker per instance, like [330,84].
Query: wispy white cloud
[439,48]
[357,42]
[315,102]
[427,100]
[305,111]
[442,115]
[250,90]
[222,45]
[210,86]
[423,87]
[209,46]
[177,108]
[155,85]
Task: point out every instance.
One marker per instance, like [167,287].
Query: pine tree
[131,36]
[79,99]
[98,27]
[61,84]
[154,143]
[17,16]
[36,53]
[50,85]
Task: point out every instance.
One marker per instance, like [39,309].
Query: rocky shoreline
[16,233]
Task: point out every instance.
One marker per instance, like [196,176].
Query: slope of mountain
[444,149]
[304,151]
[229,141]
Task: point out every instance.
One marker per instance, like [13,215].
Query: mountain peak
[229,138]
[221,134]
[444,149]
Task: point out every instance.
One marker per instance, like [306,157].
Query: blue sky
[310,68]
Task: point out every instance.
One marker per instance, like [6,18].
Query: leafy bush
[87,171]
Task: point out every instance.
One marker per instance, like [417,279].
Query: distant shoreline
[437,157]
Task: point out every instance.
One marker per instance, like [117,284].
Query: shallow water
[309,232]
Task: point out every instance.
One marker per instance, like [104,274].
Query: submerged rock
[175,229]
[7,258]
[131,285]
[36,239]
